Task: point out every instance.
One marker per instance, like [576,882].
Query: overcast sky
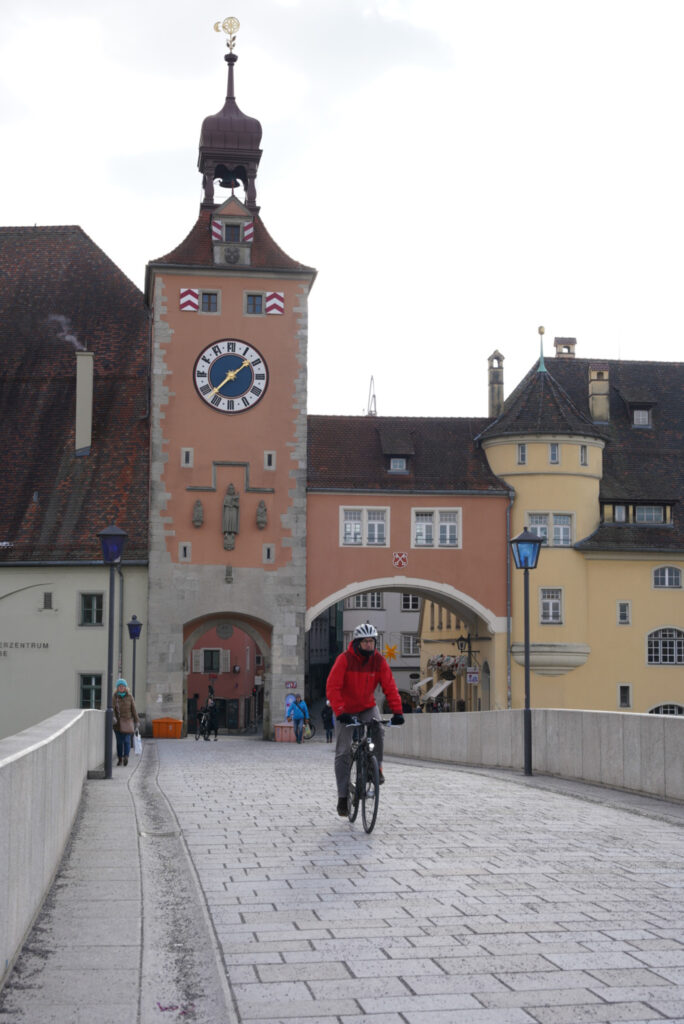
[458,171]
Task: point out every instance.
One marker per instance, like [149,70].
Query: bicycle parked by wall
[364,773]
[202,725]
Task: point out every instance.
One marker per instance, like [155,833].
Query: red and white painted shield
[400,559]
[189,300]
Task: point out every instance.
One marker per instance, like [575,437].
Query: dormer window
[231,232]
[641,416]
[398,464]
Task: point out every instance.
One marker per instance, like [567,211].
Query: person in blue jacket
[299,713]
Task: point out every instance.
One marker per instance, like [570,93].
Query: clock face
[230,375]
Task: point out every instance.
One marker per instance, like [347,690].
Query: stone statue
[231,517]
[197,513]
[261,515]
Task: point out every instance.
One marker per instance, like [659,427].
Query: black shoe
[125,761]
[342,807]
[119,761]
[381,779]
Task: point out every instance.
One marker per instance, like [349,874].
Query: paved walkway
[213,882]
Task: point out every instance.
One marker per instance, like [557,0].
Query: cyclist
[351,691]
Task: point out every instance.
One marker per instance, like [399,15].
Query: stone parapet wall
[42,771]
[640,753]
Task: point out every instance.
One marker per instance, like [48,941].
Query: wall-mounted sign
[473,676]
[290,685]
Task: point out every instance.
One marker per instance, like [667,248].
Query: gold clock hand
[231,375]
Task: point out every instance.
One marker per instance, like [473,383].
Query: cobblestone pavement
[475,900]
[480,898]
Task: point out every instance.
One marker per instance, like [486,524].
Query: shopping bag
[307,731]
[137,743]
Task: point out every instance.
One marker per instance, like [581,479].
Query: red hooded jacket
[353,680]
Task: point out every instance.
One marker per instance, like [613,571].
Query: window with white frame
[554,528]
[398,464]
[185,551]
[522,454]
[551,606]
[667,709]
[371,599]
[624,695]
[364,527]
[187,456]
[410,603]
[624,613]
[438,527]
[665,647]
[620,513]
[649,514]
[641,416]
[554,453]
[667,577]
[410,645]
[583,455]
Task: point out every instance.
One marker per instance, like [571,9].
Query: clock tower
[227,569]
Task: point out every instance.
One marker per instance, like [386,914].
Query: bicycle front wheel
[371,794]
[354,790]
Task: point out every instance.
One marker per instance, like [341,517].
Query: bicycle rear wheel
[371,794]
[353,790]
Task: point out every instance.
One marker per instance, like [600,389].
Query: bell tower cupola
[229,141]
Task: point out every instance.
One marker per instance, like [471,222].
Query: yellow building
[454,662]
[592,451]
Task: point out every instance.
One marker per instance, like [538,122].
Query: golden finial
[230,26]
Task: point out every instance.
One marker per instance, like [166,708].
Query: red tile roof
[60,292]
[196,249]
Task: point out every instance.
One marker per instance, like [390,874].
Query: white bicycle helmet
[365,632]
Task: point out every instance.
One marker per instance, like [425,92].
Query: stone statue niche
[261,516]
[197,514]
[231,517]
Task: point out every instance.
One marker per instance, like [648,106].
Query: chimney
[495,377]
[565,347]
[599,403]
[84,402]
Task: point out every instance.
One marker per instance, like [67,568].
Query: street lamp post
[112,540]
[134,630]
[525,548]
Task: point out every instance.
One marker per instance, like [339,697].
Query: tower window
[583,455]
[254,303]
[232,232]
[554,453]
[187,457]
[209,302]
[184,552]
[522,454]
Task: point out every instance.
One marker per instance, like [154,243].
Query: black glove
[344,718]
[397,720]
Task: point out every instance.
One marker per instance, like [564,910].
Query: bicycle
[364,773]
[202,725]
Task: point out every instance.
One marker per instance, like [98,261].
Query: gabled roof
[59,292]
[196,249]
[540,405]
[350,453]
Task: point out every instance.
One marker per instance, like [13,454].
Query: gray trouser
[345,734]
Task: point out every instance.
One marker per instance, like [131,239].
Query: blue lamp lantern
[112,540]
[525,548]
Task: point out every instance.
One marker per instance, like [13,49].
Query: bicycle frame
[364,776]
